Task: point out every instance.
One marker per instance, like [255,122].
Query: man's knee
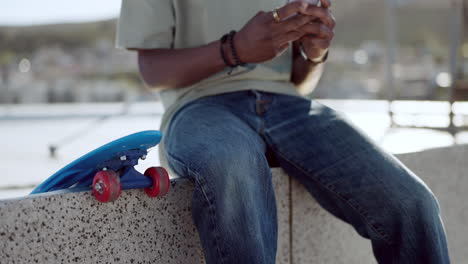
[415,204]
[422,201]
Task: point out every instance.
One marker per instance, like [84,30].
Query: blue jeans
[226,144]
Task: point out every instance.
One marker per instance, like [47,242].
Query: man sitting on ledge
[232,76]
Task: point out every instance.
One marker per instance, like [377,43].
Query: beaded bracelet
[223,54]
[233,49]
[229,38]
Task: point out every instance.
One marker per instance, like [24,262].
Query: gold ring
[276,16]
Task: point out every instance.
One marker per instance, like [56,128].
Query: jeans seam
[361,212]
[208,202]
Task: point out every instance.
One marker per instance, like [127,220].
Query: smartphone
[312,2]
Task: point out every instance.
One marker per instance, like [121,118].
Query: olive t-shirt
[152,24]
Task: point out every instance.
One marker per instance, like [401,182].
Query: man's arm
[261,39]
[174,68]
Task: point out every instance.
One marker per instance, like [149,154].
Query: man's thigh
[346,171]
[312,134]
[204,135]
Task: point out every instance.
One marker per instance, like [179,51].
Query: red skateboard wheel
[106,186]
[161,182]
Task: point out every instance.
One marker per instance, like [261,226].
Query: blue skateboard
[110,169]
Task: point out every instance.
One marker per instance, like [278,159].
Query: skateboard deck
[110,169]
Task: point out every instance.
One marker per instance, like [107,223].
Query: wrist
[229,52]
[224,51]
[234,50]
[317,60]
[241,51]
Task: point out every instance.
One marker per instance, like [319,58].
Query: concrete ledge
[73,227]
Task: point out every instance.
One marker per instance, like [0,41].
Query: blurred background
[397,68]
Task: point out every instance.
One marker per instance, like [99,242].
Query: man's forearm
[174,68]
[305,74]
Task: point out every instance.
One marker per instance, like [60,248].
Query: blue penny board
[80,173]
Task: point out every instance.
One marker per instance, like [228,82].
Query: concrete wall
[73,227]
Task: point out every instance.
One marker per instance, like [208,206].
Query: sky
[36,12]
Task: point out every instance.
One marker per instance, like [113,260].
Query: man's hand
[315,45]
[263,38]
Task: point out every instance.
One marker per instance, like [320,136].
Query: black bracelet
[223,54]
[233,49]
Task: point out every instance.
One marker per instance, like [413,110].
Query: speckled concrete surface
[74,228]
[71,228]
[319,237]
